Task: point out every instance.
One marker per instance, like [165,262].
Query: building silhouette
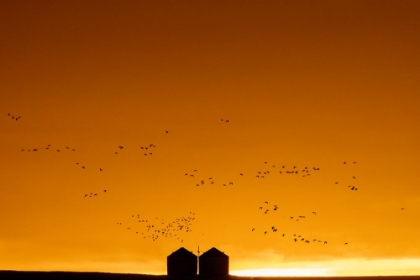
[182,263]
[213,263]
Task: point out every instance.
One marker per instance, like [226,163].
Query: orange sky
[303,84]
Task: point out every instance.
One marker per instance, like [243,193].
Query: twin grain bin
[182,263]
[214,263]
[211,263]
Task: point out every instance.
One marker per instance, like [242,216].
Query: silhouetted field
[30,275]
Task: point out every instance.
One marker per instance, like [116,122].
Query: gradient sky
[303,84]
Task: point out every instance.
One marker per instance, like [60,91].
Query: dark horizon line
[139,275]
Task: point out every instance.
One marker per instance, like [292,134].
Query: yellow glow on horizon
[340,268]
[273,272]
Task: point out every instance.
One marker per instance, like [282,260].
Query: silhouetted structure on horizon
[182,263]
[213,263]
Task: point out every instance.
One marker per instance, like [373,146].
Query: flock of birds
[159,228]
[202,181]
[176,229]
[12,117]
[265,209]
[262,174]
[48,148]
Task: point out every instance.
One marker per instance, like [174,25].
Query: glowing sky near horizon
[284,133]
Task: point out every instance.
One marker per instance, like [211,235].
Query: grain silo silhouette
[182,263]
[213,263]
